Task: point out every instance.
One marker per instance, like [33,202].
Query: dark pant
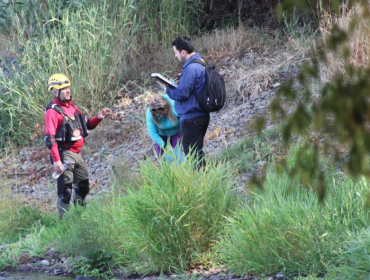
[76,173]
[193,132]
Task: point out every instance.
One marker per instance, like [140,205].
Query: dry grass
[355,21]
[258,72]
[221,43]
[214,46]
[254,58]
[250,59]
[9,200]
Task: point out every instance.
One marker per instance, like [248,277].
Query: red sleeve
[52,121]
[93,122]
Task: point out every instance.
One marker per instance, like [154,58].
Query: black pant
[193,132]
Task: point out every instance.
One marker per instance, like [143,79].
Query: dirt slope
[115,147]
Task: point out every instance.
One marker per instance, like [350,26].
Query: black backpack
[213,96]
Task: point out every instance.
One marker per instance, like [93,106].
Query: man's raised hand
[103,113]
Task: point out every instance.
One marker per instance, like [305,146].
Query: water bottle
[56,175]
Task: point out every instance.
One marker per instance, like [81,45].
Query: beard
[67,100]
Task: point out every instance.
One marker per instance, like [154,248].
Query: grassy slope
[279,230]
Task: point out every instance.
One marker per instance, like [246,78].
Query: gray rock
[24,268]
[14,166]
[235,122]
[280,276]
[58,271]
[45,262]
[81,277]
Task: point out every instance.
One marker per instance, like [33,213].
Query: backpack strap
[59,110]
[200,61]
[77,110]
[56,107]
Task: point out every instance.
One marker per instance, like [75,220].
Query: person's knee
[65,197]
[80,193]
[64,190]
[83,188]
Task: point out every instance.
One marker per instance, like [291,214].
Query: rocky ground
[122,140]
[55,264]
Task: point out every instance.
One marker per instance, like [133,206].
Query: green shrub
[17,220]
[6,258]
[287,229]
[177,212]
[354,261]
[163,224]
[85,231]
[97,264]
[251,150]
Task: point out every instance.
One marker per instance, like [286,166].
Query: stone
[235,122]
[24,268]
[45,262]
[23,258]
[81,277]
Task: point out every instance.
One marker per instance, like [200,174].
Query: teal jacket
[166,127]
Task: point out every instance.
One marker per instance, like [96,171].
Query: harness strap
[56,107]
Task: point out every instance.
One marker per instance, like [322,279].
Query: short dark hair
[183,43]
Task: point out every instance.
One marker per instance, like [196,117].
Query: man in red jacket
[65,129]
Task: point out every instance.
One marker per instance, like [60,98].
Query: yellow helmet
[58,81]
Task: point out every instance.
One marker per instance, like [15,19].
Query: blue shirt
[166,127]
[192,81]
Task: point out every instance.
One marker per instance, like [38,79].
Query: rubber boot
[62,207]
[80,191]
[78,200]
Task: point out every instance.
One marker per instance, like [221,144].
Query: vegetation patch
[285,228]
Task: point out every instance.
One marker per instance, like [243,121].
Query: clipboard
[163,80]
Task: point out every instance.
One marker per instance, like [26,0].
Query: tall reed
[98,46]
[77,44]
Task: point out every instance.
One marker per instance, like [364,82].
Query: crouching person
[65,129]
[163,124]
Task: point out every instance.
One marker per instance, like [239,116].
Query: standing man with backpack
[194,119]
[66,128]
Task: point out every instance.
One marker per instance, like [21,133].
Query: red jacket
[53,120]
